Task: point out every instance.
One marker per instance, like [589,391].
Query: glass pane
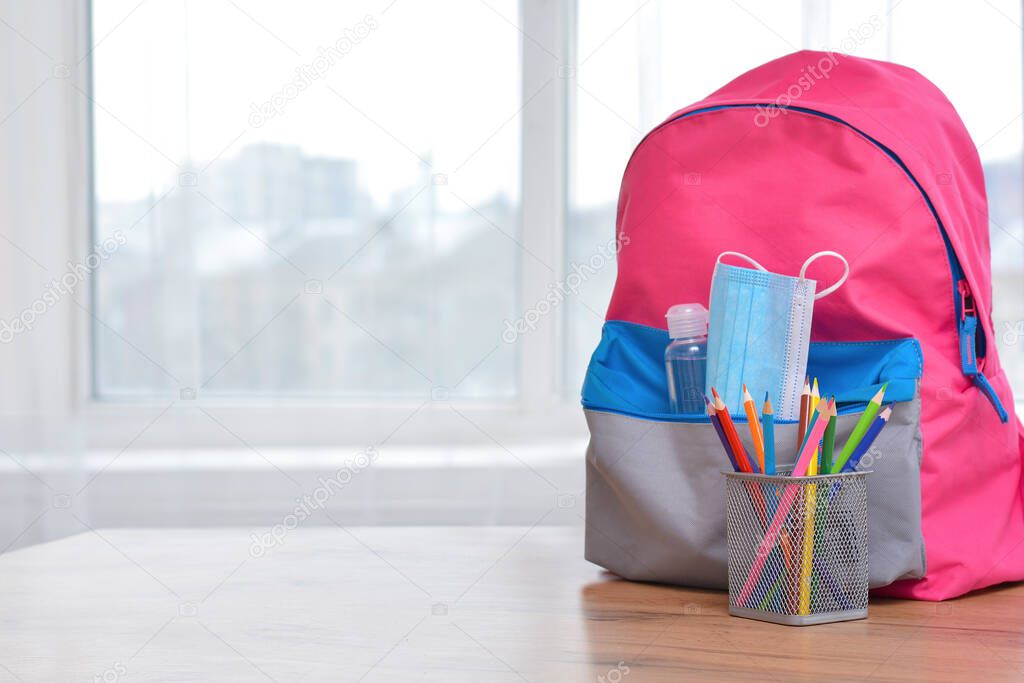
[311,198]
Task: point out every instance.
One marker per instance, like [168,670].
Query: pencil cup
[798,547]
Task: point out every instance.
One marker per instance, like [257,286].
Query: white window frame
[543,408]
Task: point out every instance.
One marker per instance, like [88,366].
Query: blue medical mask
[759,329]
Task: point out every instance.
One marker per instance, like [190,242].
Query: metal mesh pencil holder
[798,547]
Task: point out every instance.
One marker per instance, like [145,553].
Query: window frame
[541,410]
[545,408]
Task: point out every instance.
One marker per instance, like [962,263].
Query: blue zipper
[971,336]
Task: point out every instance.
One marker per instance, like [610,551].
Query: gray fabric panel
[656,497]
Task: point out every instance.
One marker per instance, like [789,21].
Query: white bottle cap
[687,321]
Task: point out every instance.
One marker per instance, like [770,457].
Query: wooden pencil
[782,510]
[717,424]
[859,430]
[869,438]
[730,432]
[805,414]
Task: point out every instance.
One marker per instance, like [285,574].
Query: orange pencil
[755,426]
[805,414]
[731,434]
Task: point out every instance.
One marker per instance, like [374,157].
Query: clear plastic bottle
[686,357]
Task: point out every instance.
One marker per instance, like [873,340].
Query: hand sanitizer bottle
[686,357]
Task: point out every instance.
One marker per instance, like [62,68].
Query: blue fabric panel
[627,372]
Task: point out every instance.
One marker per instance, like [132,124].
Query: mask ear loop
[748,259]
[814,257]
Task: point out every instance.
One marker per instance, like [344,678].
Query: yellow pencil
[755,426]
[810,507]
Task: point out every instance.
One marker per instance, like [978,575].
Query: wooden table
[439,604]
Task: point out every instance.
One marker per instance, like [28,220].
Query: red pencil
[742,459]
[717,424]
[731,434]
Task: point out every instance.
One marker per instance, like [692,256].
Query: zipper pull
[966,300]
[968,328]
[968,361]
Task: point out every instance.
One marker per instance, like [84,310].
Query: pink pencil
[785,503]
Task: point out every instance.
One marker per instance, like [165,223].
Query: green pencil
[828,443]
[858,432]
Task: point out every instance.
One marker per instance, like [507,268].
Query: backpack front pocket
[655,496]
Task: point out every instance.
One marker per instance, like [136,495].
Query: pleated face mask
[759,330]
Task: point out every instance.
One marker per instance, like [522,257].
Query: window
[305,201]
[297,212]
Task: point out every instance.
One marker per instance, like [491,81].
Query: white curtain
[44,191]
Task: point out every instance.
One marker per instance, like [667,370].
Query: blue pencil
[869,438]
[768,429]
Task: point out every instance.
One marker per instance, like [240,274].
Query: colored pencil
[828,444]
[810,507]
[817,567]
[821,570]
[805,398]
[785,504]
[812,469]
[768,429]
[755,426]
[721,435]
[869,438]
[787,549]
[742,458]
[826,409]
[807,560]
[859,430]
[814,419]
[768,432]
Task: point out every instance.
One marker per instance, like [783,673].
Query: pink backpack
[815,151]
